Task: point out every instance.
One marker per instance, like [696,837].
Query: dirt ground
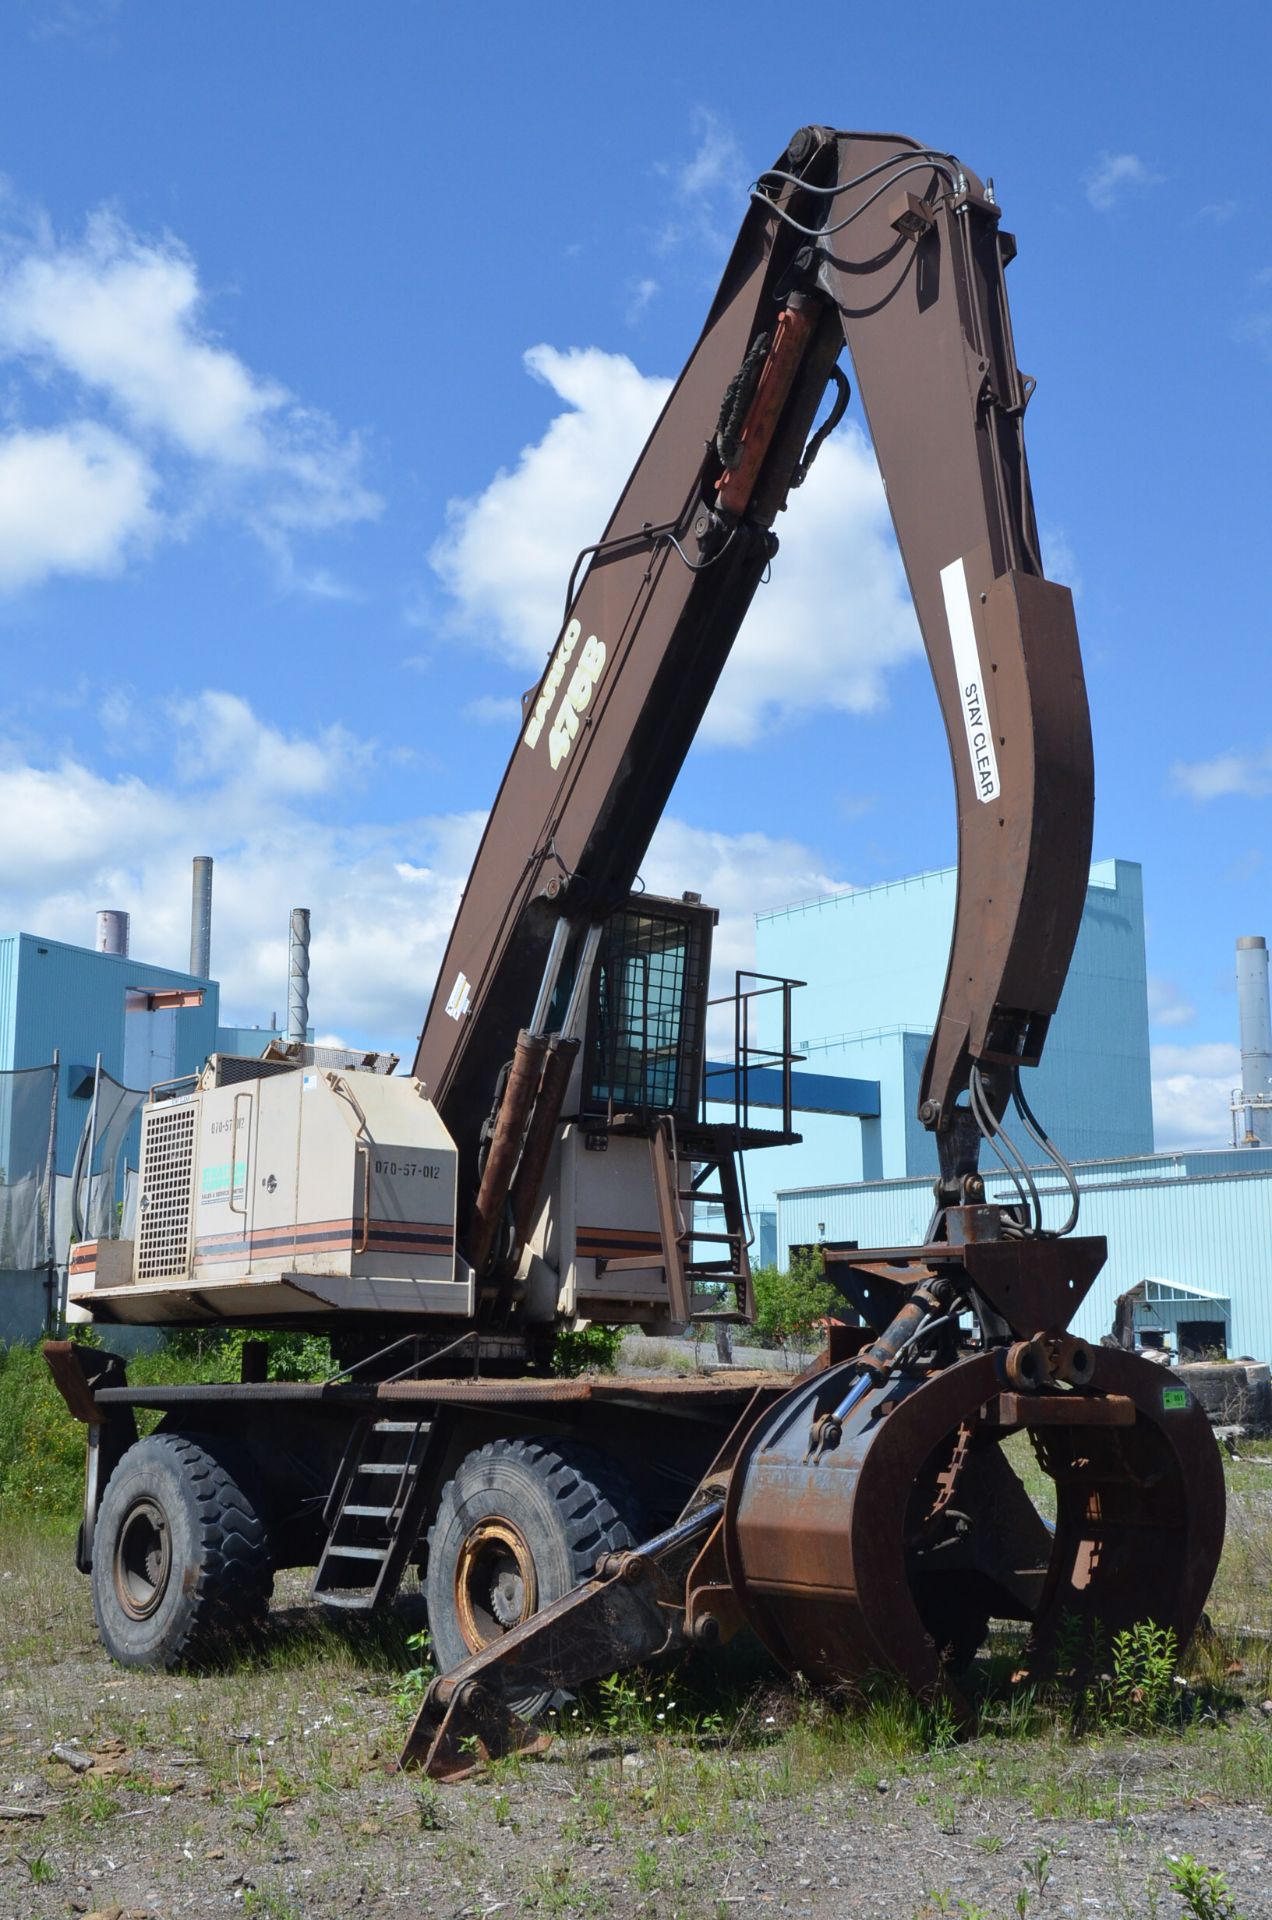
[715,1789]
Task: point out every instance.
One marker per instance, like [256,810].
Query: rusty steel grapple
[869,1521]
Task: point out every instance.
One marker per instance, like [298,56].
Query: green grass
[42,1447]
[655,1770]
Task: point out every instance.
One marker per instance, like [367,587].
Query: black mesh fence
[45,1207]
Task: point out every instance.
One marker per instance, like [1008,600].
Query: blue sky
[327,334]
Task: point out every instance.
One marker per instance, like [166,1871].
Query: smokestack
[112,932]
[298,978]
[1256,1039]
[201,917]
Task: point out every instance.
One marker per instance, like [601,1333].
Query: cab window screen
[645,1043]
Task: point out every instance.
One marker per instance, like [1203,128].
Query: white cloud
[1255,330]
[1114,176]
[73,499]
[1191,1090]
[708,189]
[556,500]
[1167,1007]
[836,616]
[383,896]
[1059,559]
[223,740]
[824,633]
[119,323]
[494,710]
[641,295]
[1237,771]
[741,874]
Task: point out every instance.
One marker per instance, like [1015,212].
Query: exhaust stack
[1255,1100]
[201,917]
[112,932]
[298,978]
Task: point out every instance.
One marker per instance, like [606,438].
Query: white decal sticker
[574,701]
[552,680]
[460,994]
[971,684]
[575,698]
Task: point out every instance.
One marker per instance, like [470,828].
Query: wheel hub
[495,1584]
[143,1559]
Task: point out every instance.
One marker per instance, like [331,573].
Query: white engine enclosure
[294,1193]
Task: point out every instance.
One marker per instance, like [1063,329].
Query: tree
[790,1306]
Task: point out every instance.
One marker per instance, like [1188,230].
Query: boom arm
[876,241]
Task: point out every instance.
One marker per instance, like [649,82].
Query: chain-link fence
[46,1207]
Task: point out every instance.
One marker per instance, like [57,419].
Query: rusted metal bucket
[893,1549]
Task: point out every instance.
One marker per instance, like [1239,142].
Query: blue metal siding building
[1197,1226]
[82,1003]
[875,961]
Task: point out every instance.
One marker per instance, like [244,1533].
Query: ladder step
[355,1602]
[366,1513]
[357,1553]
[386,1466]
[402,1426]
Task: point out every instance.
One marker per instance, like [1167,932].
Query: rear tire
[521,1524]
[180,1554]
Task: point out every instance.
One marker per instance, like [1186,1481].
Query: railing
[749,1056]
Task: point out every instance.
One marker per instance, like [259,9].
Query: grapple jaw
[892,1551]
[870,1520]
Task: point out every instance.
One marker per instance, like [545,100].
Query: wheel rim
[143,1559]
[495,1584]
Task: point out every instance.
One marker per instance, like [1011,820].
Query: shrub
[591,1349]
[790,1307]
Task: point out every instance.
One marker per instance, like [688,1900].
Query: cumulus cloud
[383,895]
[557,498]
[118,323]
[1115,176]
[73,499]
[1236,771]
[835,618]
[1192,1087]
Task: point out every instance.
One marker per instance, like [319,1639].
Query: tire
[522,1523]
[180,1555]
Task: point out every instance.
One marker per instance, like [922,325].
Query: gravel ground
[272,1789]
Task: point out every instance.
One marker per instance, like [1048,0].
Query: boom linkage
[897,251]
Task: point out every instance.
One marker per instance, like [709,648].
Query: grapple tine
[630,1611]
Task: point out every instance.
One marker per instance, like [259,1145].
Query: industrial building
[1190,1233]
[84,1032]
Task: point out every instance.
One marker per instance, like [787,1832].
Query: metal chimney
[112,932]
[1256,1041]
[298,978]
[201,917]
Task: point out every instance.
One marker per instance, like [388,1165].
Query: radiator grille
[167,1170]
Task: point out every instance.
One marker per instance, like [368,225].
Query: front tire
[180,1555]
[522,1523]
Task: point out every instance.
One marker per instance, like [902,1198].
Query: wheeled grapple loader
[558,1154]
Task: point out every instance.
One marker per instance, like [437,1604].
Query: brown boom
[897,250]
